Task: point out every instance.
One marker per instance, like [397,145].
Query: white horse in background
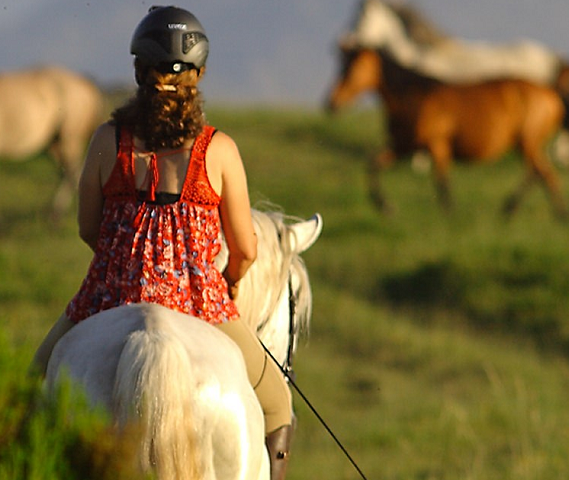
[182,381]
[377,25]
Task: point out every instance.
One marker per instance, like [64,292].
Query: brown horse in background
[49,109]
[478,122]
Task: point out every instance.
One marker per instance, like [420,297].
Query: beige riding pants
[265,377]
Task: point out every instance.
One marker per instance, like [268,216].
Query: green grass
[439,343]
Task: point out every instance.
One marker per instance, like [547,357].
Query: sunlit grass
[439,342]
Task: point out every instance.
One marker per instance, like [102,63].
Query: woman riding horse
[158,186]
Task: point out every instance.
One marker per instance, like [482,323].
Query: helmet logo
[177,26]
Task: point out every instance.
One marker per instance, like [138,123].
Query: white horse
[182,381]
[377,25]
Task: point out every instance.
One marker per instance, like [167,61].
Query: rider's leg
[43,353]
[264,375]
[272,391]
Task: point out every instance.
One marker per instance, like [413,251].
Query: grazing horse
[49,109]
[180,381]
[414,43]
[479,121]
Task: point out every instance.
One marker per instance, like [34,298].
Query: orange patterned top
[157,253]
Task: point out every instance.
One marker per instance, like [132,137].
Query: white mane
[264,287]
[456,61]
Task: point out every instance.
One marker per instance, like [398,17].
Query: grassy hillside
[439,342]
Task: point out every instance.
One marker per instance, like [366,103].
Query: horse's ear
[304,234]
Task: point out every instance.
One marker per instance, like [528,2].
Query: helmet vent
[190,40]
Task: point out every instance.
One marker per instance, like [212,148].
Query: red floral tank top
[157,253]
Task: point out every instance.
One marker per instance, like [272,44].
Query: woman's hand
[232,287]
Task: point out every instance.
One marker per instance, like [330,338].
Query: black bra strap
[117,137]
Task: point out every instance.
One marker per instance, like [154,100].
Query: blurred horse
[49,109]
[478,122]
[180,381]
[414,43]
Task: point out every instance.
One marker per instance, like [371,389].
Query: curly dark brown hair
[167,109]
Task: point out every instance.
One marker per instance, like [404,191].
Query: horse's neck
[261,289]
[398,79]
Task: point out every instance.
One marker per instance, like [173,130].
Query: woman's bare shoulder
[223,144]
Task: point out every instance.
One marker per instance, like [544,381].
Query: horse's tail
[152,387]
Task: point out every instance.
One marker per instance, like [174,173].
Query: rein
[288,372]
[291,324]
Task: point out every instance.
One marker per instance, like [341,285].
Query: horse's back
[80,97]
[39,105]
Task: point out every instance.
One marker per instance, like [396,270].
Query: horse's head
[360,72]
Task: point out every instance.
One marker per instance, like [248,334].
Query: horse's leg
[513,201]
[441,154]
[375,166]
[548,176]
[533,147]
[67,152]
[544,118]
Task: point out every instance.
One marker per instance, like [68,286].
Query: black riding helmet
[171,39]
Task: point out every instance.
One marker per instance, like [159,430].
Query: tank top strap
[197,188]
[121,180]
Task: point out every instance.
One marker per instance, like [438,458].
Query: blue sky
[262,51]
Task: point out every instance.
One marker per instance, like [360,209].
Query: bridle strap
[291,327]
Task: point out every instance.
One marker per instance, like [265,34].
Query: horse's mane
[401,77]
[274,254]
[420,46]
[417,27]
[260,289]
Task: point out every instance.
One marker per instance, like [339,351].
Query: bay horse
[49,109]
[478,122]
[180,381]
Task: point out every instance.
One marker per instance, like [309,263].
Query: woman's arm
[235,208]
[100,157]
